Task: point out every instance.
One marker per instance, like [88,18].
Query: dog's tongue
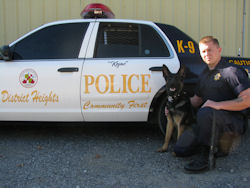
[172,89]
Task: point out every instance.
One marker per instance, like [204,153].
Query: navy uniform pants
[226,122]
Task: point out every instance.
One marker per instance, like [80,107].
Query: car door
[117,83]
[42,82]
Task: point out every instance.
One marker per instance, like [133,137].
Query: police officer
[221,93]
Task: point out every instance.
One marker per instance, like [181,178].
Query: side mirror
[5,53]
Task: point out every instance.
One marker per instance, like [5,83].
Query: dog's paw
[162,150]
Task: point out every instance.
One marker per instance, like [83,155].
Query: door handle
[68,69]
[155,68]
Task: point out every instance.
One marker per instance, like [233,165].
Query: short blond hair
[208,39]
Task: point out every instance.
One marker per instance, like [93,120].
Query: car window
[61,41]
[129,40]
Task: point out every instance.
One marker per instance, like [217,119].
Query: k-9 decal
[185,47]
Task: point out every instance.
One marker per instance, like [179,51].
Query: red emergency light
[97,10]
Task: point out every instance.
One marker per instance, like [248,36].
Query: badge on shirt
[217,76]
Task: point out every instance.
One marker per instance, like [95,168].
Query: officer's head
[210,51]
[208,39]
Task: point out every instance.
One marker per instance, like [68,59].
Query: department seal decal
[28,78]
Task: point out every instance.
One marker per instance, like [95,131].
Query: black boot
[201,163]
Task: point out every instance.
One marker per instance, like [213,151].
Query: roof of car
[98,20]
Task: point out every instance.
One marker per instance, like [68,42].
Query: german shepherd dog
[178,104]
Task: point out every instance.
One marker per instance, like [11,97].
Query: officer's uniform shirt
[225,82]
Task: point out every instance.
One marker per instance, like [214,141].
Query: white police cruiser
[94,70]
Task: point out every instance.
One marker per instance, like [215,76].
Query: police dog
[178,104]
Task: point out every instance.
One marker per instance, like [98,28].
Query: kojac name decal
[103,84]
[182,47]
[130,104]
[35,97]
[117,64]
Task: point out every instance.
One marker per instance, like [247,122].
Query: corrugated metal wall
[221,18]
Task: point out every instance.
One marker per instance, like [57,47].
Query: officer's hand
[211,104]
[166,111]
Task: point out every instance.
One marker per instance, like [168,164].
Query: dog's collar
[172,100]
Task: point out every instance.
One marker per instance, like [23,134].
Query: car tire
[161,117]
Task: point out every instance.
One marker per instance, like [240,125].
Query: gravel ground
[106,155]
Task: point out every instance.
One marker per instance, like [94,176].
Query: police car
[95,69]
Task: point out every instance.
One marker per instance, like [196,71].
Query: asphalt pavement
[117,155]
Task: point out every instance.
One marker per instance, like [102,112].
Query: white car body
[96,89]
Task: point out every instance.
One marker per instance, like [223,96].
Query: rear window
[129,40]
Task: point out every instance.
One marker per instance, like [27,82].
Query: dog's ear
[165,70]
[181,71]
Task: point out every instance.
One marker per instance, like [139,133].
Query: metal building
[228,20]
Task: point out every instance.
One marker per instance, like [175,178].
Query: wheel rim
[162,120]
